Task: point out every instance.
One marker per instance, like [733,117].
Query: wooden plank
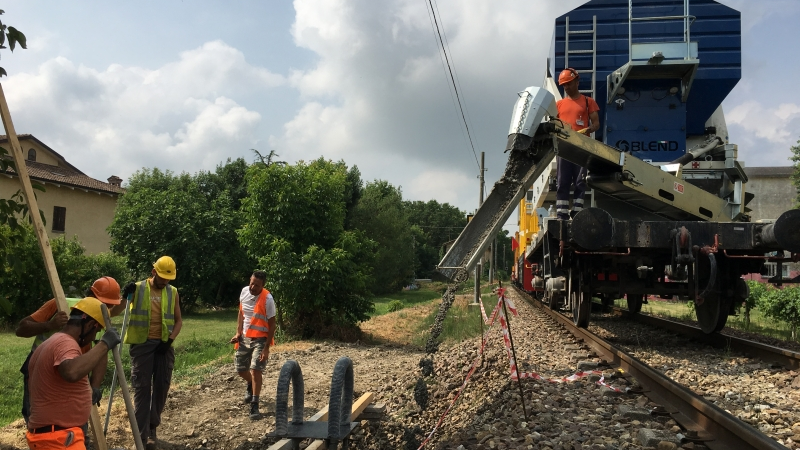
[44,243]
[358,407]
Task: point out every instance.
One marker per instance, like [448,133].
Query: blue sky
[183,85]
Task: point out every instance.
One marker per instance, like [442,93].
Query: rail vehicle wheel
[635,303]
[712,314]
[581,308]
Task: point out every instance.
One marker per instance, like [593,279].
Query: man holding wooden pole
[61,398]
[48,320]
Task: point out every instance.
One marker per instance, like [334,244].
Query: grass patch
[408,298]
[463,321]
[200,349]
[759,324]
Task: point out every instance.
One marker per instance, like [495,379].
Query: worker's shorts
[69,439]
[249,352]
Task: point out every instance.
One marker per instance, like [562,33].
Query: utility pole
[478,266]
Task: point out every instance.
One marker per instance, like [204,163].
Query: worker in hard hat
[254,333]
[155,321]
[580,113]
[61,397]
[47,320]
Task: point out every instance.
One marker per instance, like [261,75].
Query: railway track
[706,423]
[767,353]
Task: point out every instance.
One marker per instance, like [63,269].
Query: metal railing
[687,24]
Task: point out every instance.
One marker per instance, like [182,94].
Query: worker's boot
[152,441]
[254,412]
[248,397]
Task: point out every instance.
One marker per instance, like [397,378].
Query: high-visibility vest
[139,319]
[259,326]
[43,337]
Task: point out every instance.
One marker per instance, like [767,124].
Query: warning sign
[677,187]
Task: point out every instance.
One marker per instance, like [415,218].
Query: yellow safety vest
[43,337]
[139,319]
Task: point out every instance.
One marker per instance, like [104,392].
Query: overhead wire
[441,43]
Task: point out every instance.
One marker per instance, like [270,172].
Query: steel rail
[765,352]
[714,427]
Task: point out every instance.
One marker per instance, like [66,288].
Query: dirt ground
[211,415]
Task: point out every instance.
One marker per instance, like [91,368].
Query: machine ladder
[593,52]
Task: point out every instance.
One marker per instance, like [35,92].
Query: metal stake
[514,354]
[126,395]
[114,378]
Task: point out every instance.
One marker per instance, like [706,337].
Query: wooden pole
[44,242]
[126,395]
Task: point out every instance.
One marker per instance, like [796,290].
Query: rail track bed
[732,401]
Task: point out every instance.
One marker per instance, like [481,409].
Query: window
[59,218]
[771,270]
[31,155]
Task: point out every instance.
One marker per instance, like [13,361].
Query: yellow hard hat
[91,307]
[165,268]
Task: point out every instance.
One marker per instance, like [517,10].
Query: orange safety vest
[259,326]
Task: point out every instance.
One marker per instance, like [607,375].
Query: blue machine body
[648,118]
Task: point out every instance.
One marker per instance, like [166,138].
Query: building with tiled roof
[74,204]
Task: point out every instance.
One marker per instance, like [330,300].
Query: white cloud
[756,13]
[379,98]
[772,124]
[763,133]
[449,186]
[180,116]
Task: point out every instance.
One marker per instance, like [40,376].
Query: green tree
[193,220]
[433,225]
[24,284]
[295,228]
[783,305]
[13,208]
[795,158]
[381,216]
[757,292]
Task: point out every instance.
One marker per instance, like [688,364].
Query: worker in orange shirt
[48,320]
[580,113]
[61,397]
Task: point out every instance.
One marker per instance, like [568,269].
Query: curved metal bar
[290,373]
[340,402]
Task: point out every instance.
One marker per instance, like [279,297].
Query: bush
[23,279]
[783,305]
[395,305]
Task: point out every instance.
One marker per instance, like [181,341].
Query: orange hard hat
[106,290]
[568,75]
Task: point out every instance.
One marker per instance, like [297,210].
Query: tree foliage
[433,225]
[757,291]
[193,219]
[23,279]
[783,305]
[295,227]
[11,209]
[380,214]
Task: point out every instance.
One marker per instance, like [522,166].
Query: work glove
[111,338]
[97,394]
[128,290]
[164,346]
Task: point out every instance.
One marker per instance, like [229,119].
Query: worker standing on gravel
[48,320]
[155,321]
[254,335]
[581,114]
[61,397]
